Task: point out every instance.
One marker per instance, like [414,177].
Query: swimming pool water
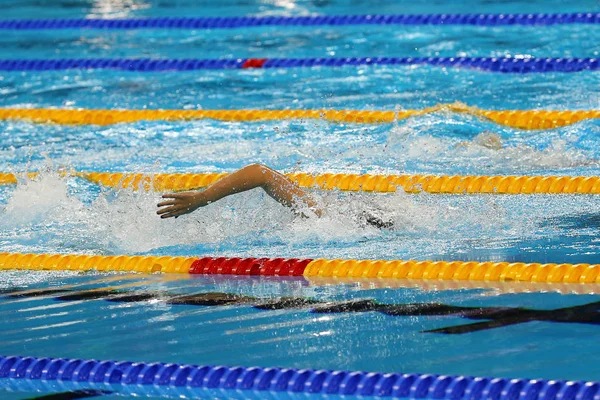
[365,87]
[312,336]
[186,8]
[70,215]
[339,41]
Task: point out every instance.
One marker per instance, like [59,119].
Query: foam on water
[441,143]
[71,215]
[125,221]
[487,148]
[53,214]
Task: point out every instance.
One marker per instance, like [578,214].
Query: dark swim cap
[374,220]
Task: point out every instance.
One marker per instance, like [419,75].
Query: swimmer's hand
[180,203]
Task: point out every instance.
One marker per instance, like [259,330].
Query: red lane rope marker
[254,63]
[249,266]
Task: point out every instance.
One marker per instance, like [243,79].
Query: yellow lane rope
[522,119]
[8,178]
[437,285]
[319,268]
[444,184]
[74,262]
[454,270]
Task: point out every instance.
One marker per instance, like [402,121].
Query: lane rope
[502,65]
[521,119]
[434,184]
[384,269]
[180,380]
[311,20]
[503,287]
[373,183]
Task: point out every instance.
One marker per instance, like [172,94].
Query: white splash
[487,150]
[50,214]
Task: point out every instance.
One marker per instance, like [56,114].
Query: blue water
[278,42]
[345,87]
[54,214]
[186,8]
[300,338]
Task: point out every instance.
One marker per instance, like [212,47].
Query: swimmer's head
[488,139]
[371,219]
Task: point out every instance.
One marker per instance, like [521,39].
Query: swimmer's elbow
[258,173]
[255,168]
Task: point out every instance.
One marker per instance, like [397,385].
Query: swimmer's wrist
[200,200]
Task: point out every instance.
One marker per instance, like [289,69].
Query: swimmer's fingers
[167,203]
[170,209]
[168,215]
[177,196]
[175,213]
[178,204]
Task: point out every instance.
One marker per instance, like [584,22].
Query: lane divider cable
[191,381]
[413,184]
[521,119]
[304,20]
[492,64]
[323,268]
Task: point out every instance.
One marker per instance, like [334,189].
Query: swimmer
[275,184]
[286,192]
[489,140]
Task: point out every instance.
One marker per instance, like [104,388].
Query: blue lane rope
[192,379]
[317,20]
[503,65]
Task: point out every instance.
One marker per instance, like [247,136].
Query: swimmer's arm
[277,185]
